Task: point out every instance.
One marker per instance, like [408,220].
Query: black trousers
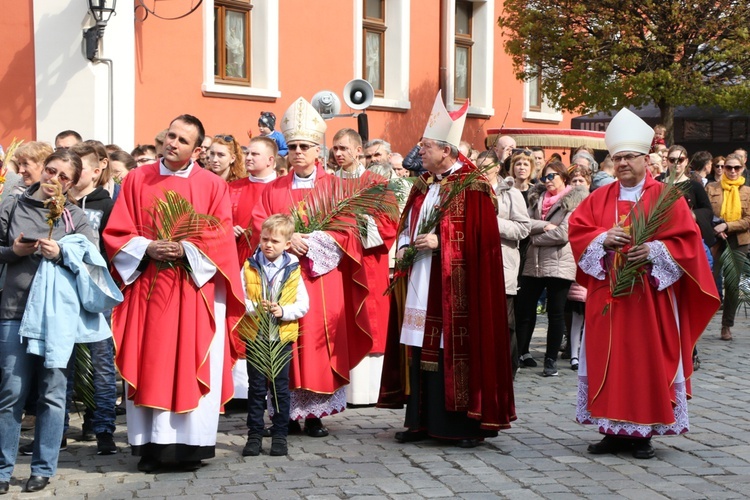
[280,398]
[528,295]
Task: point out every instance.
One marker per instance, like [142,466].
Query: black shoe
[550,368]
[528,361]
[36,483]
[314,428]
[191,465]
[279,447]
[87,435]
[295,427]
[610,444]
[643,449]
[148,464]
[468,443]
[253,446]
[696,363]
[120,410]
[266,432]
[105,444]
[28,448]
[4,487]
[410,436]
[574,364]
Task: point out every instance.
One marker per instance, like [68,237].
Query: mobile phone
[24,239]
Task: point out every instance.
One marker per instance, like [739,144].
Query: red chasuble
[333,337]
[467,294]
[162,339]
[244,195]
[633,343]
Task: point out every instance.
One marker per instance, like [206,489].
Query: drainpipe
[110,97]
[447,20]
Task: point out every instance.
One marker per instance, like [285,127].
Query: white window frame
[547,114]
[264,57]
[397,44]
[483,51]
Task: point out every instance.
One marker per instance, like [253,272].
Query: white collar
[185,172]
[262,180]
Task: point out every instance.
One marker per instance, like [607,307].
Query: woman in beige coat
[730,201]
[549,261]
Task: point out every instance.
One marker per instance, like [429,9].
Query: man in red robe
[635,361]
[174,331]
[452,326]
[334,336]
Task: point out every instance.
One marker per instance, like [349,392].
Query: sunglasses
[227,138]
[733,168]
[54,173]
[628,157]
[550,176]
[302,146]
[677,159]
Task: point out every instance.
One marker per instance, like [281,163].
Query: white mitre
[302,123]
[445,126]
[628,132]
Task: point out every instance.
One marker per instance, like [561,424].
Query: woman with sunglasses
[730,199]
[549,262]
[24,244]
[226,159]
[717,169]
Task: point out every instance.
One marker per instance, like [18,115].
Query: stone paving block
[435,492]
[641,495]
[278,495]
[364,489]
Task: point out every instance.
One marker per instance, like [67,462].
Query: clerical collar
[183,172]
[350,175]
[632,193]
[262,180]
[303,182]
[440,177]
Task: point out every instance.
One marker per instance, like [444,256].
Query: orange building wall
[312,57]
[17,83]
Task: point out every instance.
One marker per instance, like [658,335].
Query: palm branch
[333,205]
[735,269]
[84,376]
[644,225]
[175,219]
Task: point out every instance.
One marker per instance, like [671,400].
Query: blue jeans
[101,418]
[17,370]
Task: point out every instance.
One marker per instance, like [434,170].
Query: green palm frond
[735,269]
[333,204]
[84,375]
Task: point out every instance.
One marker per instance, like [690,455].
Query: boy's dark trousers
[256,400]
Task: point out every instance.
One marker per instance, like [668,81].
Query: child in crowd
[266,124]
[272,282]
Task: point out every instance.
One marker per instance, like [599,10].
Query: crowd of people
[211,246]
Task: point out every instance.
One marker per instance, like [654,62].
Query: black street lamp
[102,10]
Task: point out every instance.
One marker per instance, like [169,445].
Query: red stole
[162,341]
[244,195]
[335,334]
[633,343]
[467,300]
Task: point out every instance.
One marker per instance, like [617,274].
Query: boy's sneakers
[253,446]
[105,444]
[550,368]
[28,448]
[279,447]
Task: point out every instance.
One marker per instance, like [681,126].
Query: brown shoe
[726,333]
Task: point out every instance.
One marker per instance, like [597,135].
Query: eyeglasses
[302,146]
[54,173]
[628,157]
[227,138]
[677,159]
[733,168]
[144,159]
[550,176]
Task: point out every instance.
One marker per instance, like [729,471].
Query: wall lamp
[102,10]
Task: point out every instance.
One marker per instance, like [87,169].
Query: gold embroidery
[461,375]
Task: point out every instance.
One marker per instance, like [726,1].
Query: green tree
[606,54]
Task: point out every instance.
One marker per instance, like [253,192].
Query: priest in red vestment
[334,336]
[636,354]
[174,332]
[260,164]
[448,350]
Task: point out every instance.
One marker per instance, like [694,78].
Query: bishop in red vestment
[635,364]
[174,331]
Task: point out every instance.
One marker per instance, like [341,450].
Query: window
[463,45]
[241,49]
[374,28]
[535,92]
[232,41]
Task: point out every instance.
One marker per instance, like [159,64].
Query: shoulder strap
[10,216]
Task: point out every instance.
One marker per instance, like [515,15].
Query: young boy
[272,281]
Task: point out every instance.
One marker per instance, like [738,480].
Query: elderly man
[377,151]
[584,159]
[397,162]
[335,335]
[635,359]
[455,341]
[173,333]
[504,147]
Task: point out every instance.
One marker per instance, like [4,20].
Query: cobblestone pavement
[542,456]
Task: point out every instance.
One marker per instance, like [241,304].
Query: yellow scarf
[731,208]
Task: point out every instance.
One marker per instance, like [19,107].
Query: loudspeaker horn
[358,94]
[326,103]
